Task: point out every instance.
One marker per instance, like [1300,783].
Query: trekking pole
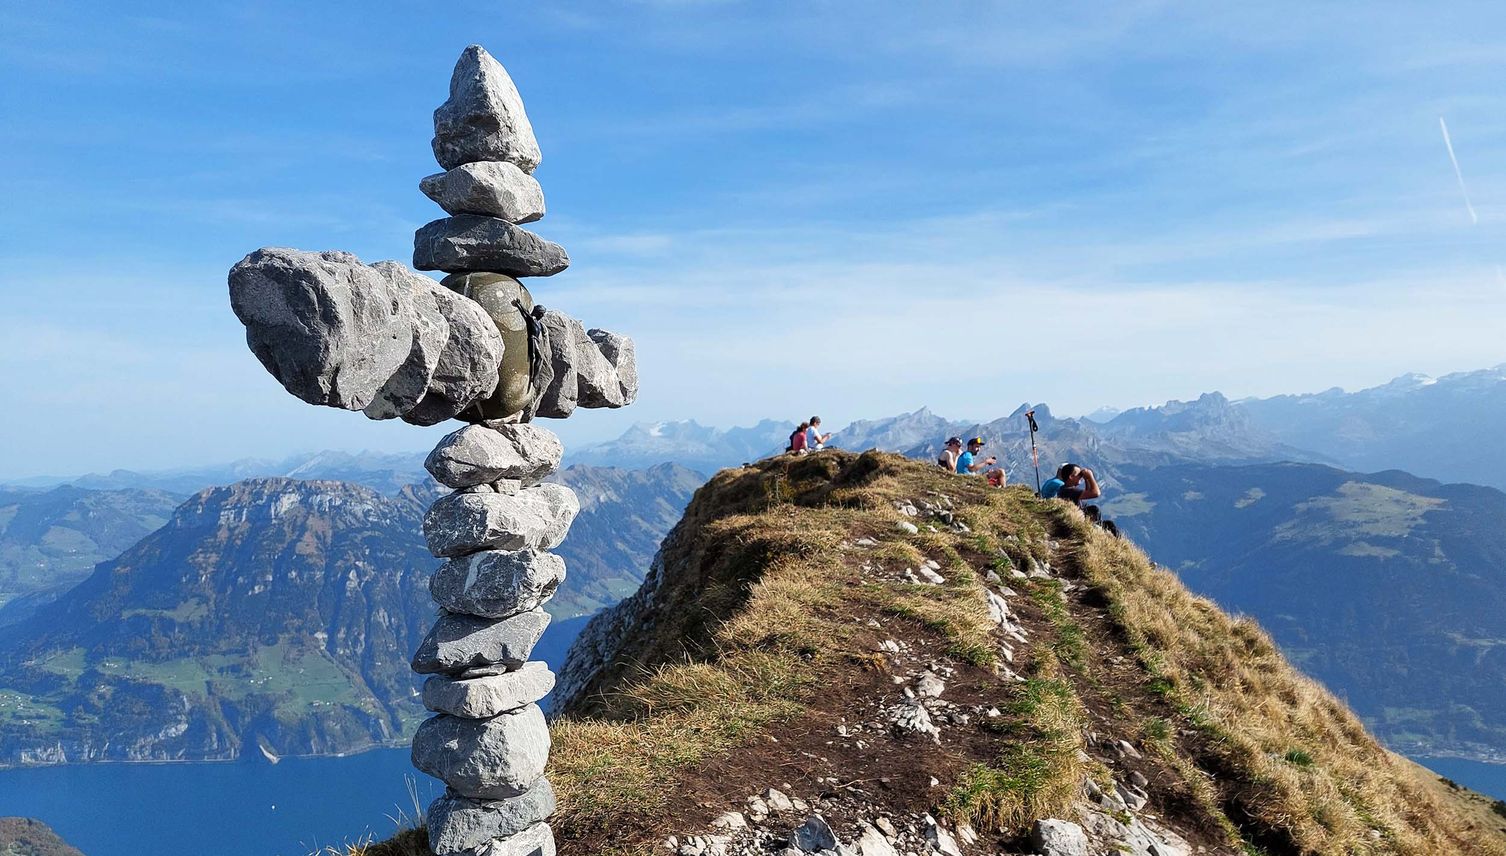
[1035,455]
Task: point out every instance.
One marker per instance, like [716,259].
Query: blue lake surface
[236,809]
[1488,779]
[242,808]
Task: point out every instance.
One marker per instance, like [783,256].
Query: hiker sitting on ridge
[815,440]
[1073,483]
[948,458]
[798,444]
[968,463]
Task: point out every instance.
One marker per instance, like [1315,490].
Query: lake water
[1488,779]
[245,808]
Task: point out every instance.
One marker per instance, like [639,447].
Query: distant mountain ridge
[1448,428]
[278,615]
[1387,587]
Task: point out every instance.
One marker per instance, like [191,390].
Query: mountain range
[1284,543]
[278,615]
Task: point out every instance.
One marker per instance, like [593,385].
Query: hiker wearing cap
[948,458]
[968,463]
[814,438]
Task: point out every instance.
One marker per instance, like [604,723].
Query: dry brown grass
[1291,763]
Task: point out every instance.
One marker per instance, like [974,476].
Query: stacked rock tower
[394,344]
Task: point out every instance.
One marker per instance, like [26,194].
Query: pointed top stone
[484,119]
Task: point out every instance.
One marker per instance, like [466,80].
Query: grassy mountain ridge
[787,640]
[1385,586]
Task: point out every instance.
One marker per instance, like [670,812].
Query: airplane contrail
[1473,218]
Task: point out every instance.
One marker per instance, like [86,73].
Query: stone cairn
[394,344]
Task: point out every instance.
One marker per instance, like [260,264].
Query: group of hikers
[1072,483]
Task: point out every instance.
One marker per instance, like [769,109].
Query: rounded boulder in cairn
[490,759]
[469,367]
[458,824]
[488,696]
[489,188]
[459,642]
[329,328]
[536,517]
[497,584]
[483,120]
[470,243]
[482,454]
[504,300]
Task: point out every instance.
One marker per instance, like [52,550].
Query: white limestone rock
[483,120]
[458,642]
[488,696]
[497,584]
[457,824]
[490,188]
[536,518]
[489,759]
[483,454]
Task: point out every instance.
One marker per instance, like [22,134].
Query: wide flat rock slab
[536,518]
[458,824]
[458,642]
[497,584]
[482,454]
[472,243]
[488,696]
[483,120]
[491,759]
[378,338]
[489,188]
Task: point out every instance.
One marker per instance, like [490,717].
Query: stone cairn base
[391,343]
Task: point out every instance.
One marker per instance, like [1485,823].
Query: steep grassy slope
[791,635]
[22,836]
[1386,587]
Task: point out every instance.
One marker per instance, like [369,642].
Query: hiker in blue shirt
[1073,483]
[967,462]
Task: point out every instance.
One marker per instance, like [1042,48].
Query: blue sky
[851,208]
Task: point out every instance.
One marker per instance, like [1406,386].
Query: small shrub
[1298,757]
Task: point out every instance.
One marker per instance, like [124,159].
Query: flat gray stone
[329,328]
[536,517]
[458,823]
[469,243]
[483,120]
[490,759]
[620,354]
[469,365]
[497,584]
[458,642]
[485,697]
[482,454]
[1053,837]
[489,188]
[560,395]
